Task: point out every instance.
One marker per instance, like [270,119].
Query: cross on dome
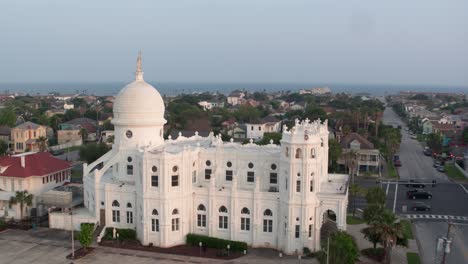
[139,70]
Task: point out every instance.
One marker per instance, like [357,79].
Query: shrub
[124,234]
[2,224]
[306,251]
[212,242]
[86,234]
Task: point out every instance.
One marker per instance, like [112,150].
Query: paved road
[415,165]
[427,241]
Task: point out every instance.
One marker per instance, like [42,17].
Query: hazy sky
[366,41]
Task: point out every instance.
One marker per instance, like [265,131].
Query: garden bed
[376,254]
[79,253]
[183,250]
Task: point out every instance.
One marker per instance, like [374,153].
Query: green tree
[84,134]
[8,117]
[86,235]
[434,141]
[3,147]
[351,162]
[276,137]
[334,153]
[71,114]
[390,232]
[92,152]
[42,143]
[376,195]
[22,198]
[370,233]
[342,249]
[313,113]
[247,113]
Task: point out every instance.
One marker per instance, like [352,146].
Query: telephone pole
[447,243]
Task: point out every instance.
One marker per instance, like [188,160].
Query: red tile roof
[37,164]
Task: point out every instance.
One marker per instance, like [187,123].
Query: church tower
[304,166]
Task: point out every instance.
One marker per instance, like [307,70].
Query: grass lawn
[353,220]
[70,149]
[454,173]
[413,258]
[392,172]
[407,229]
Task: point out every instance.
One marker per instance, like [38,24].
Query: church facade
[273,196]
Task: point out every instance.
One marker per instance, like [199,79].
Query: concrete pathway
[398,253]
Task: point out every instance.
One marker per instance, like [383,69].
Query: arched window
[298,153]
[175,221]
[312,153]
[267,221]
[201,216]
[129,214]
[223,209]
[223,217]
[245,219]
[115,212]
[155,221]
[286,152]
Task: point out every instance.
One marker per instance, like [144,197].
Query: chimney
[23,161]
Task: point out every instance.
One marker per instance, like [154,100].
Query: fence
[67,145]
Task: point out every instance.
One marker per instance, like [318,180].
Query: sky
[352,42]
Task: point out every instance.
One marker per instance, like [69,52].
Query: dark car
[418,194]
[427,151]
[415,184]
[419,206]
[397,163]
[57,152]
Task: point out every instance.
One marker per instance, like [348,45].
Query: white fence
[67,145]
[462,170]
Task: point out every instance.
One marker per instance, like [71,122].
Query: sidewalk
[398,253]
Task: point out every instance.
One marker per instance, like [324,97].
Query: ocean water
[173,88]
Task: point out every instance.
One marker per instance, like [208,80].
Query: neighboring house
[70,131]
[5,134]
[67,106]
[209,105]
[24,137]
[427,127]
[368,157]
[103,117]
[33,172]
[52,112]
[235,97]
[257,128]
[107,136]
[316,91]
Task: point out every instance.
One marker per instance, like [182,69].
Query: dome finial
[139,71]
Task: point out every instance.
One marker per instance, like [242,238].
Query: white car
[414,137]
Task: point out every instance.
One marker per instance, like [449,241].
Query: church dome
[138,103]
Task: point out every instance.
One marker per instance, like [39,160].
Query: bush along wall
[124,234]
[212,242]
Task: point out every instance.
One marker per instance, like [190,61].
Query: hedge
[124,234]
[212,242]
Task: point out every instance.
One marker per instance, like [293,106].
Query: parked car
[437,163]
[415,184]
[57,152]
[418,194]
[441,168]
[397,163]
[427,151]
[420,206]
[414,137]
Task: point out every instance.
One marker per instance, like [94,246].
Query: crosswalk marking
[430,216]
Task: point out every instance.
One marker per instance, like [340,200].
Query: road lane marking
[463,188]
[388,185]
[394,201]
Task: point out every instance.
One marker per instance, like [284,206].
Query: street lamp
[200,244]
[228,247]
[72,233]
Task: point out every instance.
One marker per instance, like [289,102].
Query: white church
[273,196]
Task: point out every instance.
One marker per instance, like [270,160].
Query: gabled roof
[4,130]
[365,144]
[28,125]
[36,164]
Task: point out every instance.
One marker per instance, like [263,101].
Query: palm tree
[42,143]
[390,231]
[22,198]
[83,133]
[351,162]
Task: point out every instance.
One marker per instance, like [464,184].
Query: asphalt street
[449,200]
[415,165]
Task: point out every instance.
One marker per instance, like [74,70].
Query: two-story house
[25,137]
[367,156]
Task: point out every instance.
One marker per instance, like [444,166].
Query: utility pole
[446,243]
[72,234]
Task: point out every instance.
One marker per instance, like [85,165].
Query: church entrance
[328,227]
